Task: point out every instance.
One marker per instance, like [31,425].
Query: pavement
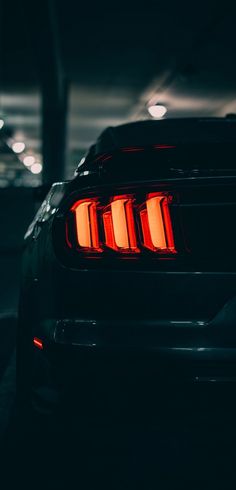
[195,450]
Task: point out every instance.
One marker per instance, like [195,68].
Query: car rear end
[133,277]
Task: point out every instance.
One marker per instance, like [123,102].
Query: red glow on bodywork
[108,157]
[38,343]
[163,147]
[100,157]
[131,149]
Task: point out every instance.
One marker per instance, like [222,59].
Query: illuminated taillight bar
[156,224]
[119,225]
[87,236]
[122,224]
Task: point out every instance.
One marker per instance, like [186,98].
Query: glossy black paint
[174,317]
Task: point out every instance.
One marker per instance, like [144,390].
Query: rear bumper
[195,339]
[110,380]
[130,357]
[116,327]
[193,350]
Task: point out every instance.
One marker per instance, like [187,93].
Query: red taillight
[122,223]
[38,343]
[86,225]
[119,225]
[156,224]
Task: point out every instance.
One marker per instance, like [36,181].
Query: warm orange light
[95,226]
[119,225]
[155,221]
[118,213]
[156,225]
[86,224]
[38,343]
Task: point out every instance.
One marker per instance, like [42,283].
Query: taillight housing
[85,221]
[156,226]
[122,223]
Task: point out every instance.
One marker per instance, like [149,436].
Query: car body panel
[178,313]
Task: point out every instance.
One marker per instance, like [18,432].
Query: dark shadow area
[8,335]
[152,447]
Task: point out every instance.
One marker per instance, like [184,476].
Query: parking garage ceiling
[116,58]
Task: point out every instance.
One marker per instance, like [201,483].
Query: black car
[129,269]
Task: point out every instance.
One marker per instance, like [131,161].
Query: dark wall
[17,208]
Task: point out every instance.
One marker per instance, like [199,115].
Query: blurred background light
[29,160]
[18,146]
[36,168]
[1,123]
[157,111]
